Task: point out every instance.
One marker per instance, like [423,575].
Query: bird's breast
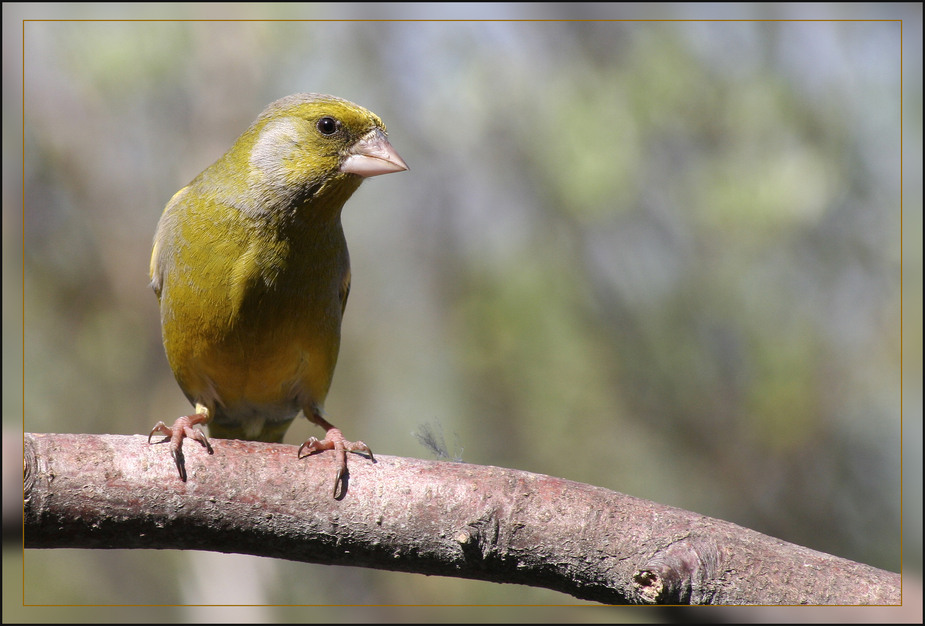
[262,341]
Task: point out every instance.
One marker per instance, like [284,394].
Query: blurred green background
[658,257]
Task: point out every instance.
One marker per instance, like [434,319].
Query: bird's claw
[313,445]
[335,441]
[182,428]
[160,427]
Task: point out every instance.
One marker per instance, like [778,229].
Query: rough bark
[450,519]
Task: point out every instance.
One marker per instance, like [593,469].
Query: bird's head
[303,146]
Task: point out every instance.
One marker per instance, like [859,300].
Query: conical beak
[373,155]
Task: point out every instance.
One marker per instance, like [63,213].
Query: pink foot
[182,428]
[334,440]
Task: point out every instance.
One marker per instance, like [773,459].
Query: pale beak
[373,155]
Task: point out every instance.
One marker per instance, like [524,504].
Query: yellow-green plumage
[251,269]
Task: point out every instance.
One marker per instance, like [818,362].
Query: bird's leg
[333,440]
[183,427]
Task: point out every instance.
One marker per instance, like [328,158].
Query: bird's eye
[328,125]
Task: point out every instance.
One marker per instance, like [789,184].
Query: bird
[251,271]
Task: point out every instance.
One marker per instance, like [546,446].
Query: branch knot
[679,574]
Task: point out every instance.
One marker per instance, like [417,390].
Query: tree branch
[449,519]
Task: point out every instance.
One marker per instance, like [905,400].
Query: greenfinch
[251,271]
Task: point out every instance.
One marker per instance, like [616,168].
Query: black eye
[328,125]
